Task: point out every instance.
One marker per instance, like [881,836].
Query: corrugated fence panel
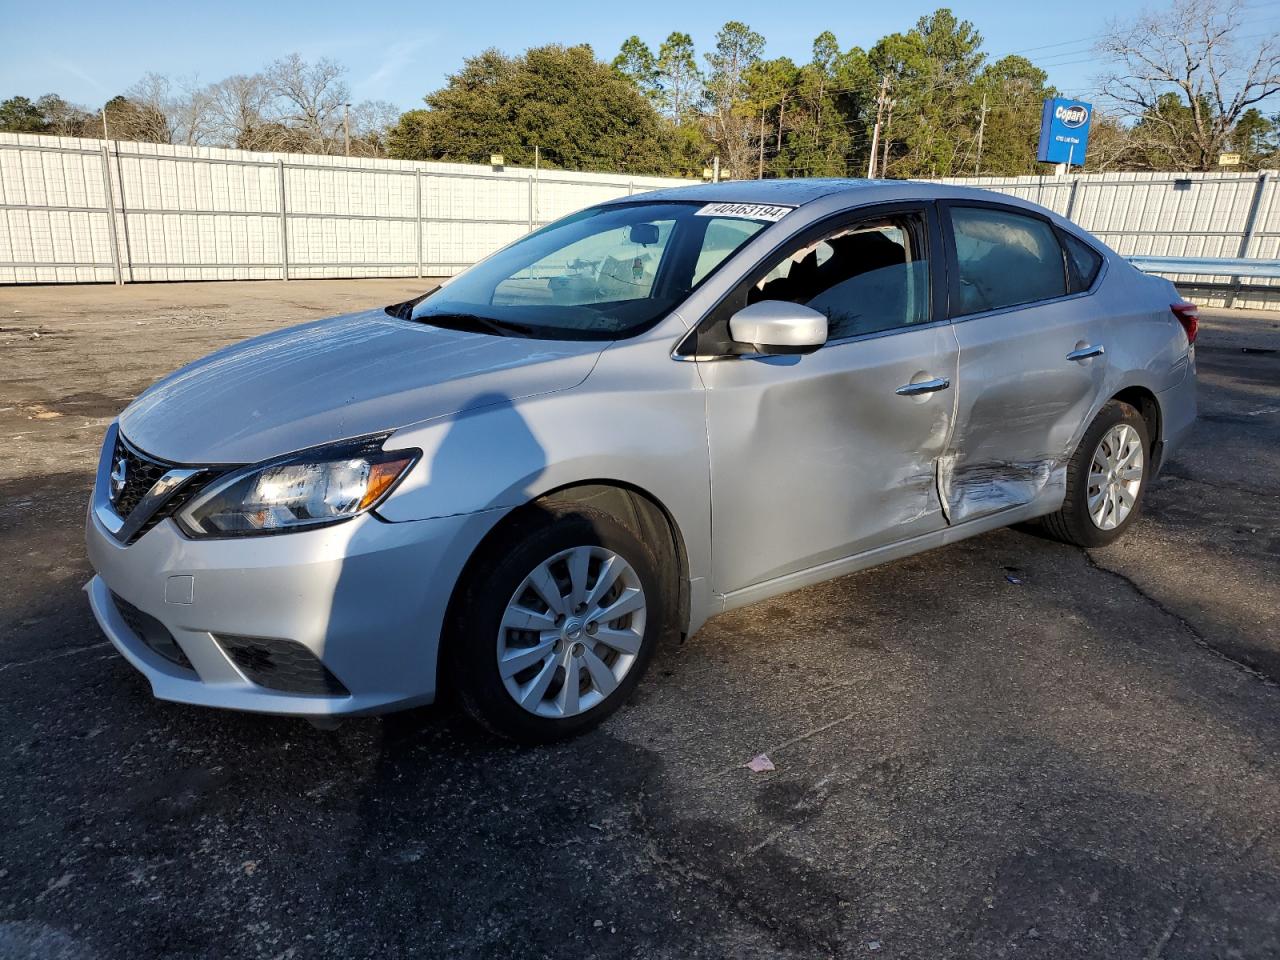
[1265,245]
[198,213]
[53,221]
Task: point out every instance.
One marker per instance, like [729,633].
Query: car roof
[799,192]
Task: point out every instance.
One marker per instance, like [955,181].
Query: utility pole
[105,135]
[782,106]
[346,127]
[982,126]
[715,169]
[875,133]
[884,148]
[760,167]
[537,182]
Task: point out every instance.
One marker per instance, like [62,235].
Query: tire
[1075,523]
[505,575]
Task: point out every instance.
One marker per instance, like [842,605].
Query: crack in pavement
[54,656]
[1200,639]
[1191,899]
[1239,419]
[1174,474]
[787,932]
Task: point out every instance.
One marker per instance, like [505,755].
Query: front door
[820,457]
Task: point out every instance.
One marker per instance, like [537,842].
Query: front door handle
[1084,353]
[923,386]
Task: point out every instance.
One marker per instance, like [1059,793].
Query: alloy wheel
[1115,476]
[571,632]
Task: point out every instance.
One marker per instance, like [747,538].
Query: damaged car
[519,486]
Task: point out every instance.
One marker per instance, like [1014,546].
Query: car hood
[345,377]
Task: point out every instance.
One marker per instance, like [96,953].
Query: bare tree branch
[309,99]
[1195,53]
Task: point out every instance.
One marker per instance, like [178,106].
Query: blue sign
[1064,131]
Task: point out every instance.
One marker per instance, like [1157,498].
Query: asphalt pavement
[1003,748]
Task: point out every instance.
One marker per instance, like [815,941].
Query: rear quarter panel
[1145,343]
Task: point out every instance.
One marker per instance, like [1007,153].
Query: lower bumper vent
[283,665]
[151,632]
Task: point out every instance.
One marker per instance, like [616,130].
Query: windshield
[600,274]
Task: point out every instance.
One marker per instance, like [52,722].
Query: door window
[866,278]
[723,236]
[1005,259]
[1083,262]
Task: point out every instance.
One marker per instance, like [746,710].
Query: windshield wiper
[474,320]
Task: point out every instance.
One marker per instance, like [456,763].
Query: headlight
[307,489]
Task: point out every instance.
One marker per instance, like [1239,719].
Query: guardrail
[1209,266]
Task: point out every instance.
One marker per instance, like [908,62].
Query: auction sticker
[748,211]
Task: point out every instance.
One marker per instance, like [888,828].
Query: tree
[1111,145]
[239,107]
[1159,139]
[20,115]
[63,119]
[678,76]
[308,99]
[294,105]
[411,138]
[129,120]
[151,118]
[371,121]
[773,96]
[1014,89]
[835,89]
[637,63]
[930,129]
[1254,138]
[579,112]
[1196,53]
[738,48]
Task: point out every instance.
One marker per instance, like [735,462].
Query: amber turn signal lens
[381,477]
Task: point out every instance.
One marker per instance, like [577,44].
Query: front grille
[141,473]
[176,501]
[284,665]
[151,632]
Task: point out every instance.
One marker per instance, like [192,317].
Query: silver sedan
[521,484]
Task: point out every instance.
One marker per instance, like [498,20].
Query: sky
[88,51]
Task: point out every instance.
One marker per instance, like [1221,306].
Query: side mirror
[779,327]
[644,233]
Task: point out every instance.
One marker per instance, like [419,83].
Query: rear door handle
[1084,353]
[923,386]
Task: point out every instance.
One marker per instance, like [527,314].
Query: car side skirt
[1042,505]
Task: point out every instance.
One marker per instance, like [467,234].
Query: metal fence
[101,211]
[76,211]
[1203,215]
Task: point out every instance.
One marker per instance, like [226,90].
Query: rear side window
[1083,262]
[1005,259]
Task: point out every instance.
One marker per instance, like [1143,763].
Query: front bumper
[366,598]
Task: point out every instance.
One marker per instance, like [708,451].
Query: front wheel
[558,622]
[1106,479]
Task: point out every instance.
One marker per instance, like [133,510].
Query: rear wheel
[558,621]
[1106,479]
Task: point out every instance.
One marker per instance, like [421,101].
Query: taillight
[1188,315]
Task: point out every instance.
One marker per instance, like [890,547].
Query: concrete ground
[1082,763]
